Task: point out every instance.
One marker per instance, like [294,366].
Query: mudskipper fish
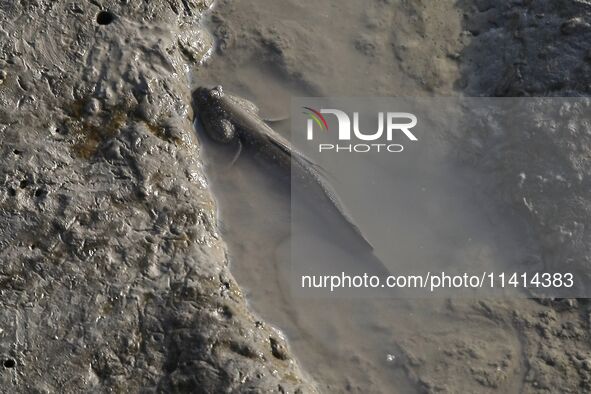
[227,119]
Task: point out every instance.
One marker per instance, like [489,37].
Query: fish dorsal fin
[272,121]
[255,110]
[288,150]
[244,103]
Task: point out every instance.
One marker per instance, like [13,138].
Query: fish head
[213,115]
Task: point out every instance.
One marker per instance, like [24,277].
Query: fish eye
[216,92]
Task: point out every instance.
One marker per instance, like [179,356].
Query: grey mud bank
[113,277]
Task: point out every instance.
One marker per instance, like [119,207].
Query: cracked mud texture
[112,275]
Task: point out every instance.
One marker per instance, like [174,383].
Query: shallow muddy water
[271,51]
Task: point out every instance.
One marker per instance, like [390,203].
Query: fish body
[226,118]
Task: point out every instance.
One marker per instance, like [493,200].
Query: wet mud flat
[113,276]
[270,51]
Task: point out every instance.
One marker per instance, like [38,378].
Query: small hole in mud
[17,152]
[24,183]
[10,363]
[40,193]
[105,18]
[158,337]
[11,191]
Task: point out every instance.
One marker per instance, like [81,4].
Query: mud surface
[113,276]
[269,51]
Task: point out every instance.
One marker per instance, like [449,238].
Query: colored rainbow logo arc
[317,117]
